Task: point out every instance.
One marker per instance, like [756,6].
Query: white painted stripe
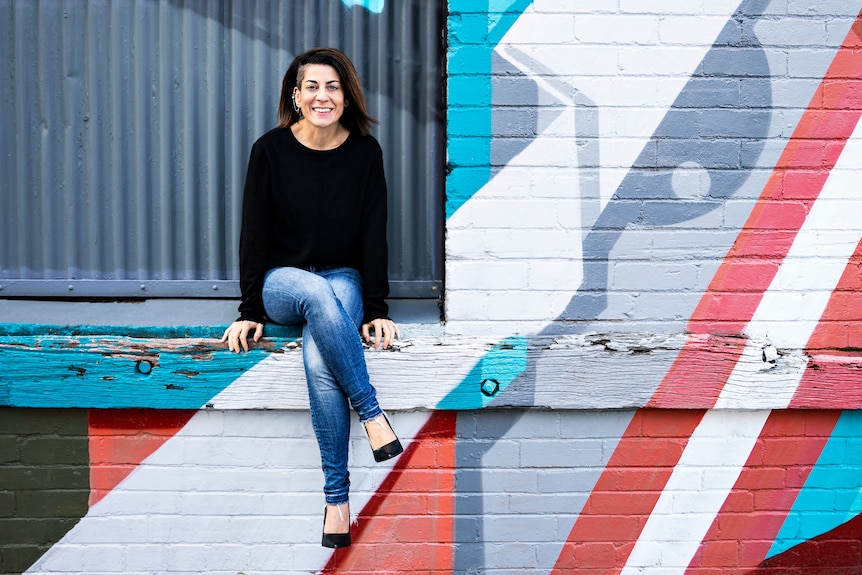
[241,491]
[791,308]
[798,295]
[705,474]
[800,291]
[420,374]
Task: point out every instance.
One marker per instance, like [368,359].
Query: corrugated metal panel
[127,126]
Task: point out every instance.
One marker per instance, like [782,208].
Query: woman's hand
[385,332]
[236,335]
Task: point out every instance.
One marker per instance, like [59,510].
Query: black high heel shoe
[389,450]
[335,540]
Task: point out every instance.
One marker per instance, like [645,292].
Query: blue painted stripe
[473,35]
[832,494]
[107,367]
[489,377]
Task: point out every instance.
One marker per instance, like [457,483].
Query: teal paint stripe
[375,6]
[108,371]
[156,332]
[473,35]
[489,377]
[832,495]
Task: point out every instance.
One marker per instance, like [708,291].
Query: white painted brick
[513,182]
[663,61]
[560,151]
[180,553]
[275,558]
[555,274]
[651,276]
[501,329]
[465,243]
[233,557]
[554,182]
[209,529]
[592,60]
[197,503]
[680,29]
[599,28]
[111,558]
[531,244]
[567,6]
[704,7]
[528,306]
[546,28]
[465,305]
[146,557]
[274,529]
[480,275]
[515,214]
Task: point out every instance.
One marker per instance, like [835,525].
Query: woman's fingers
[237,333]
[385,332]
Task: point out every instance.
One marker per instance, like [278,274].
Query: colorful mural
[651,360]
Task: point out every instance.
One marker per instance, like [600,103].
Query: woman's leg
[330,303]
[294,296]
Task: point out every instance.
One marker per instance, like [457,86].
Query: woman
[313,252]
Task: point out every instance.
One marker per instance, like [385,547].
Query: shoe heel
[335,540]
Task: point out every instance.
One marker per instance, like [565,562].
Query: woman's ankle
[379,431]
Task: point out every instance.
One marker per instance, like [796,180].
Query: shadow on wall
[699,156]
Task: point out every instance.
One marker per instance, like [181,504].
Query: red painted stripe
[601,540]
[120,439]
[408,526]
[764,241]
[833,379]
[777,468]
[627,491]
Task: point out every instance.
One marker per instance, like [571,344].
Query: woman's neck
[316,138]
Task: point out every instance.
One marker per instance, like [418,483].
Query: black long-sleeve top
[304,207]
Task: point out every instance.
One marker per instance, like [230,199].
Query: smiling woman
[313,252]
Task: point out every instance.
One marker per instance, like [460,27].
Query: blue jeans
[328,304]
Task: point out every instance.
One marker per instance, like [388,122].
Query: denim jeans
[328,304]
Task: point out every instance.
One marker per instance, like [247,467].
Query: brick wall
[511,491]
[650,361]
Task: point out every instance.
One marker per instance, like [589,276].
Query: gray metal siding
[127,126]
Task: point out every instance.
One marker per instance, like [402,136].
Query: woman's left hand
[385,332]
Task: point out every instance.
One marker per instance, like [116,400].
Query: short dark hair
[355,117]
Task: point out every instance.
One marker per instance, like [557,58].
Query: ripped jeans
[328,303]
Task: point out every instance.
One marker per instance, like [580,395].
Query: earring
[295,105]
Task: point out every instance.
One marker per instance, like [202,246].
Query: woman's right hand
[236,335]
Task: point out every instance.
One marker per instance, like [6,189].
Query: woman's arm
[375,250]
[254,235]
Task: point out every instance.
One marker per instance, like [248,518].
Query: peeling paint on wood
[84,368]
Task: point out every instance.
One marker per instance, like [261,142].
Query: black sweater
[304,207]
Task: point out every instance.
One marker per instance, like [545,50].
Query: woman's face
[319,96]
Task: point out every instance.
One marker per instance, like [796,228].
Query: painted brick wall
[650,361]
[509,491]
[605,155]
